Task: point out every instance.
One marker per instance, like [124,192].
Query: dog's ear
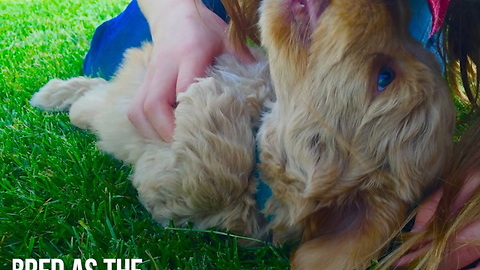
[349,237]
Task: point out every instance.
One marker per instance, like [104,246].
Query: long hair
[243,22]
[459,44]
[446,222]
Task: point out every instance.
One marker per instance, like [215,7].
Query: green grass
[59,196]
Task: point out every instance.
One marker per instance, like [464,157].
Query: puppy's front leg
[205,178]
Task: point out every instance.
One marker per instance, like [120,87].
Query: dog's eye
[385,78]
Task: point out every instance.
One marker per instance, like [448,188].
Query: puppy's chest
[251,84]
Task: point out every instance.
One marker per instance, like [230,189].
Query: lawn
[59,196]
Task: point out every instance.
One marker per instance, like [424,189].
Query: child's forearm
[158,12]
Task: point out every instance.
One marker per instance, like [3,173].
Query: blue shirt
[130,29]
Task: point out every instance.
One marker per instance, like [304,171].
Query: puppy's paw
[60,95]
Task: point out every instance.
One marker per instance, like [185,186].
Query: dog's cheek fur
[404,134]
[343,238]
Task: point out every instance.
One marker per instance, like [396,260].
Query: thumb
[426,211]
[190,71]
[468,250]
[242,53]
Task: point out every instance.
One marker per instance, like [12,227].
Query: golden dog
[357,125]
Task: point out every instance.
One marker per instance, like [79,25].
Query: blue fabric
[421,22]
[421,25]
[263,190]
[128,30]
[263,193]
[110,40]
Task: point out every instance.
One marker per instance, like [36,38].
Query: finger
[191,70]
[410,257]
[426,211]
[155,113]
[244,55]
[466,248]
[461,258]
[158,105]
[162,118]
[477,266]
[466,192]
[138,118]
[457,260]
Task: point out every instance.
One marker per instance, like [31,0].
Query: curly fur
[204,176]
[345,162]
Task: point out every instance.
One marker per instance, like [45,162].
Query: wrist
[159,13]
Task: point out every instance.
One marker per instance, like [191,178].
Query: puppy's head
[363,121]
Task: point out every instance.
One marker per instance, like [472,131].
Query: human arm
[187,37]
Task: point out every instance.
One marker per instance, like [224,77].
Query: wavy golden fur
[458,44]
[460,50]
[447,222]
[204,176]
[345,158]
[346,162]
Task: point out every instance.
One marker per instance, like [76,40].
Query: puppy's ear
[348,237]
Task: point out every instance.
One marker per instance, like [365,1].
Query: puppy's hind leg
[81,96]
[60,95]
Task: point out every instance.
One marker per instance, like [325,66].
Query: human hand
[463,253]
[187,37]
